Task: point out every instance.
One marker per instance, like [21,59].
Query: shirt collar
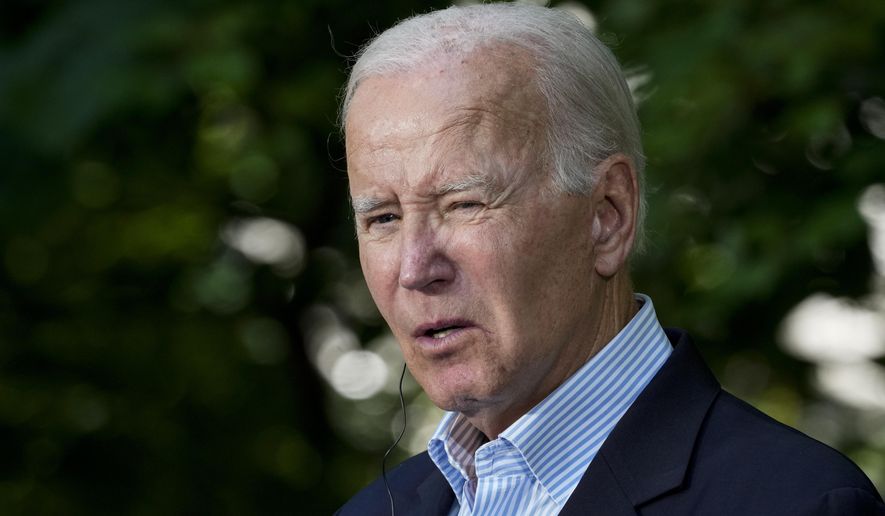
[579,413]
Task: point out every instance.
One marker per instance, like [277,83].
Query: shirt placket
[501,474]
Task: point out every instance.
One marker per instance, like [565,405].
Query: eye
[384,218]
[466,205]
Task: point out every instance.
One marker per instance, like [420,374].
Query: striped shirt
[535,464]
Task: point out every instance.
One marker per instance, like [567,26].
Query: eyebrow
[366,204]
[363,205]
[473,181]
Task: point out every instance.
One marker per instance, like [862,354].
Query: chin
[455,391]
[465,403]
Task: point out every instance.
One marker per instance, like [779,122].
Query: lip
[444,344]
[421,330]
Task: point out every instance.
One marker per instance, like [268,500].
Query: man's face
[483,271]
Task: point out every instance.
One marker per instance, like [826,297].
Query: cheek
[493,262]
[503,256]
[380,271]
[527,269]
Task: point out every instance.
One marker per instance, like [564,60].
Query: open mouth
[438,333]
[441,329]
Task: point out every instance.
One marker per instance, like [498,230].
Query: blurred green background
[184,328]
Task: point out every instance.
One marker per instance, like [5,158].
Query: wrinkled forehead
[490,87]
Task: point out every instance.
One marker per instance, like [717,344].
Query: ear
[615,211]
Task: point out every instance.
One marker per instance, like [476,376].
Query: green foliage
[149,364]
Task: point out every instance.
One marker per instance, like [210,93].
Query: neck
[614,307]
[616,310]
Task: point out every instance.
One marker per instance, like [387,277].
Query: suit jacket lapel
[648,452]
[435,496]
[598,493]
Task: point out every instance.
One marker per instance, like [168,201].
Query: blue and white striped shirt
[535,464]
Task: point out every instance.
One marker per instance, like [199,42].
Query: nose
[425,264]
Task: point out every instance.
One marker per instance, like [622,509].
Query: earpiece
[402,404]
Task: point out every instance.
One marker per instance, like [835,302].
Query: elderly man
[495,167]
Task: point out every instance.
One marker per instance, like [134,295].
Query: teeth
[442,333]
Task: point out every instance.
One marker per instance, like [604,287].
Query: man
[495,167]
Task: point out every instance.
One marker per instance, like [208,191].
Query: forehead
[487,94]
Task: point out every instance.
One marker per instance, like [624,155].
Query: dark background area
[184,328]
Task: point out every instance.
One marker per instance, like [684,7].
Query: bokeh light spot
[358,374]
[872,116]
[857,384]
[267,241]
[872,208]
[826,329]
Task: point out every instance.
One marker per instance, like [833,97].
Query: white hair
[590,107]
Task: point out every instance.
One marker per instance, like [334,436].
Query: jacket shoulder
[760,439]
[741,446]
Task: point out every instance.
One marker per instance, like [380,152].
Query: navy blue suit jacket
[684,447]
